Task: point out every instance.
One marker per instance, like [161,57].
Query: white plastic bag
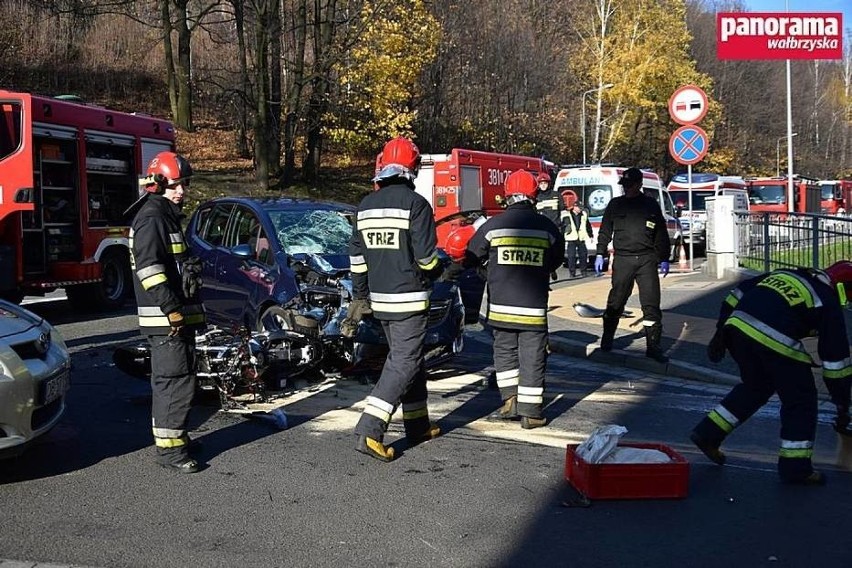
[600,443]
[636,455]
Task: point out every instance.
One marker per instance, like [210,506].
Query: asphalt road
[484,494]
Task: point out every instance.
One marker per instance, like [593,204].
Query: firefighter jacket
[392,252]
[521,248]
[780,308]
[549,203]
[636,226]
[577,227]
[158,250]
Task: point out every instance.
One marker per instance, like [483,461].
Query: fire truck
[835,196]
[68,171]
[466,181]
[769,195]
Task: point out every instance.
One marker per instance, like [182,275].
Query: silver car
[35,374]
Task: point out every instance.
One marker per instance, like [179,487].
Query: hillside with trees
[285,90]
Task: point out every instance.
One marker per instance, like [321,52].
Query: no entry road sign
[688,145]
[688,104]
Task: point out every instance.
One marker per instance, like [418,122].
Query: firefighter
[636,226]
[521,249]
[548,201]
[762,322]
[394,260]
[578,228]
[166,286]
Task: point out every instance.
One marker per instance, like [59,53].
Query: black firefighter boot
[610,324]
[653,334]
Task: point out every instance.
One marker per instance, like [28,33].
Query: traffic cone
[681,260]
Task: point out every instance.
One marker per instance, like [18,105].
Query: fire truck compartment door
[471,189]
[109,139]
[151,148]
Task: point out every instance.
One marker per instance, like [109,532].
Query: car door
[240,266]
[207,237]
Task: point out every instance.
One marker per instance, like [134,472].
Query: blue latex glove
[664,268]
[599,264]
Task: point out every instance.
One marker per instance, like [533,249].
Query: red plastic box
[629,481]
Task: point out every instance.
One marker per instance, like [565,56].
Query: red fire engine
[770,195]
[467,180]
[835,196]
[68,171]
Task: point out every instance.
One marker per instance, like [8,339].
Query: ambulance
[702,186]
[596,185]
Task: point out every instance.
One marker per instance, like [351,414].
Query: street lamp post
[583,113]
[778,153]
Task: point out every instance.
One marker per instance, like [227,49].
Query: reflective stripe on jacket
[521,248]
[158,248]
[393,247]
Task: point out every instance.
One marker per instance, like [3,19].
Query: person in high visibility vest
[578,228]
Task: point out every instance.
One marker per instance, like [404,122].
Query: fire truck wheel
[108,294]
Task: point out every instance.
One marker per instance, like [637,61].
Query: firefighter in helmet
[169,311]
[394,260]
[521,249]
[762,323]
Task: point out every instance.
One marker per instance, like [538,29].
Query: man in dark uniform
[635,225]
[394,260]
[521,248]
[166,288]
[578,228]
[762,322]
[548,201]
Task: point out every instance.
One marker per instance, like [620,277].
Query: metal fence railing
[766,241]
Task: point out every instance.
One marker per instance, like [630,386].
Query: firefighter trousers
[641,269]
[764,372]
[172,389]
[403,380]
[520,360]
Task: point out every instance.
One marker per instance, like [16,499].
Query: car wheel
[273,318]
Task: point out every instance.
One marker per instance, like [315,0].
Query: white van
[595,186]
[702,186]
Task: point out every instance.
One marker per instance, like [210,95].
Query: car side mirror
[242,251]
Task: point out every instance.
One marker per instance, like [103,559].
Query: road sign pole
[691,218]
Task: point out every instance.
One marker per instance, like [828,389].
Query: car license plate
[54,387]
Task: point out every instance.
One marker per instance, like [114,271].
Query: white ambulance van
[702,186]
[596,185]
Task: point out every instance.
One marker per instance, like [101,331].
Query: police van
[596,185]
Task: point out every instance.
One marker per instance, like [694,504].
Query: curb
[621,358]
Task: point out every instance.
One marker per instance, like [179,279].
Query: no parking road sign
[688,145]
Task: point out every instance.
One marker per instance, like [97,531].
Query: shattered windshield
[318,231]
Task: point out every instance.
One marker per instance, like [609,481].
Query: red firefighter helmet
[167,168]
[521,183]
[543,176]
[841,277]
[457,241]
[399,158]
